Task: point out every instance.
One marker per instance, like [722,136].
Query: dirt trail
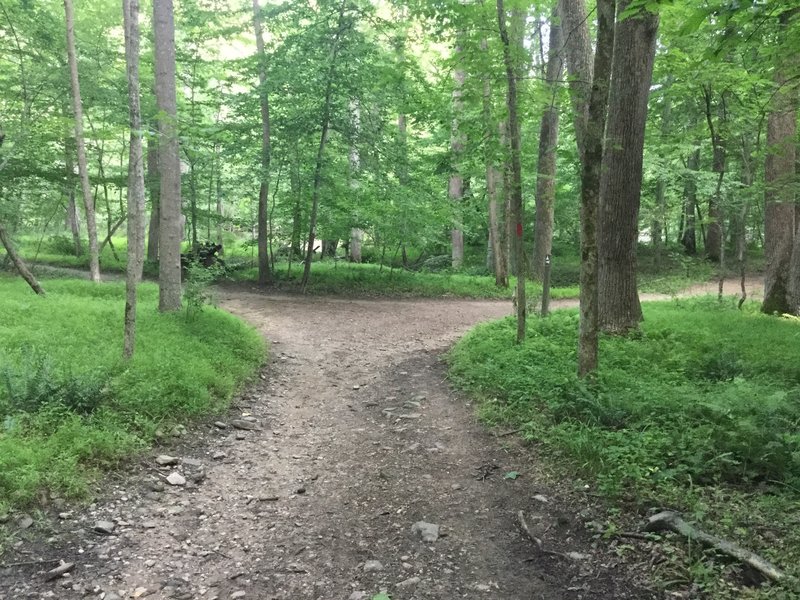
[358,437]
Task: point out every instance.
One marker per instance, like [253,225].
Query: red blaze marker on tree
[519,229]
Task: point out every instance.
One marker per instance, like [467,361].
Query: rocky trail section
[348,469]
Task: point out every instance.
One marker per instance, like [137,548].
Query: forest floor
[350,437]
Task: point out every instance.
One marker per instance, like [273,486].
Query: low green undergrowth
[700,412]
[70,407]
[338,277]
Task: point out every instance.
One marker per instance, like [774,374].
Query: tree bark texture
[516,169]
[136,214]
[621,181]
[548,143]
[80,145]
[169,163]
[264,272]
[591,168]
[781,251]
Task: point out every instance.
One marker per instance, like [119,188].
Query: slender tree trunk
[496,259]
[591,170]
[130,9]
[516,169]
[781,242]
[548,143]
[297,209]
[658,233]
[714,239]
[153,188]
[220,209]
[264,272]
[621,181]
[19,264]
[455,187]
[169,163]
[73,218]
[323,138]
[83,170]
[578,52]
[689,233]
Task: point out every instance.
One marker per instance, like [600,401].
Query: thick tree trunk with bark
[621,181]
[591,168]
[169,163]
[153,189]
[264,272]
[781,251]
[130,9]
[516,170]
[80,145]
[548,143]
[19,264]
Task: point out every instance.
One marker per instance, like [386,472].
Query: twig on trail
[222,554]
[524,524]
[507,433]
[648,537]
[30,563]
[672,521]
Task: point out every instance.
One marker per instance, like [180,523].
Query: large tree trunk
[621,181]
[130,9]
[153,188]
[591,169]
[83,169]
[781,248]
[264,272]
[455,187]
[548,143]
[516,169]
[19,264]
[169,162]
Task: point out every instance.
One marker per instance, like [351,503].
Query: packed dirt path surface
[350,437]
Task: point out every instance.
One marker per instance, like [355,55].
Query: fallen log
[672,521]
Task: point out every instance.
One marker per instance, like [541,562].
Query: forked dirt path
[357,438]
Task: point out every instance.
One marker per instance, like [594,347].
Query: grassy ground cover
[338,277]
[670,274]
[70,407]
[699,412]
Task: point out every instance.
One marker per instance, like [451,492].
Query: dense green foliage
[699,411]
[69,405]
